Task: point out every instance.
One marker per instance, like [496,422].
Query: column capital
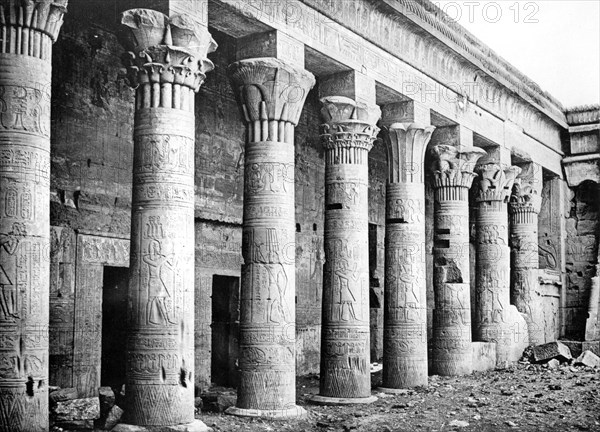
[495,182]
[525,198]
[453,167]
[349,124]
[41,15]
[270,89]
[165,50]
[406,144]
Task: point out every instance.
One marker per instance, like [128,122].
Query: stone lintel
[405,112]
[496,154]
[351,84]
[271,44]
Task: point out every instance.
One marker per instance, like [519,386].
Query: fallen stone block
[484,356]
[218,401]
[593,346]
[589,359]
[576,347]
[107,400]
[553,364]
[76,409]
[61,395]
[78,425]
[113,417]
[548,351]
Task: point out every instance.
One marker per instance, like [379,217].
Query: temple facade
[234,193]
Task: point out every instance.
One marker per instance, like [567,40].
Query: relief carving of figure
[347,299]
[9,308]
[160,299]
[278,280]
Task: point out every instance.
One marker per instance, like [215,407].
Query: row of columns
[167,63]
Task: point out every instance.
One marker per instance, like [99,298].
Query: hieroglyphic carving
[272,94]
[29,30]
[524,207]
[452,178]
[167,64]
[405,319]
[492,291]
[348,135]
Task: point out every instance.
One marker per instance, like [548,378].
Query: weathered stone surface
[167,64]
[61,395]
[348,135]
[588,358]
[195,426]
[593,346]
[553,364]
[76,409]
[405,319]
[524,206]
[484,356]
[575,347]
[218,401]
[77,425]
[451,340]
[29,29]
[551,350]
[113,417]
[491,322]
[107,400]
[268,290]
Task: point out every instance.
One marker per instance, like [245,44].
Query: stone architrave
[348,135]
[272,94]
[405,302]
[167,65]
[491,322]
[451,340]
[524,206]
[29,29]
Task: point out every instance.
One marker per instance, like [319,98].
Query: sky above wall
[556,43]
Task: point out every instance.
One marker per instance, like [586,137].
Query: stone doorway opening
[223,340]
[114,332]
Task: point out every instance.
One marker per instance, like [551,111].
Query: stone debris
[458,424]
[551,350]
[589,359]
[218,400]
[63,394]
[553,364]
[76,409]
[107,400]
[114,416]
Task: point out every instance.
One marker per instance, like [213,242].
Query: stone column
[523,208]
[491,322]
[167,64]
[348,135]
[29,28]
[272,94]
[405,296]
[452,178]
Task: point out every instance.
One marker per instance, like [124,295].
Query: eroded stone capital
[349,123]
[525,198]
[496,182]
[270,89]
[45,16]
[453,167]
[165,50]
[406,144]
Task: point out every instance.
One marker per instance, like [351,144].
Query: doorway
[224,314]
[114,331]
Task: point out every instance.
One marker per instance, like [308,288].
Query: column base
[389,390]
[324,400]
[195,426]
[295,412]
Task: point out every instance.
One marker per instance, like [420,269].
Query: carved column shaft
[405,298]
[28,31]
[524,207]
[452,178]
[272,95]
[167,66]
[348,136]
[492,291]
